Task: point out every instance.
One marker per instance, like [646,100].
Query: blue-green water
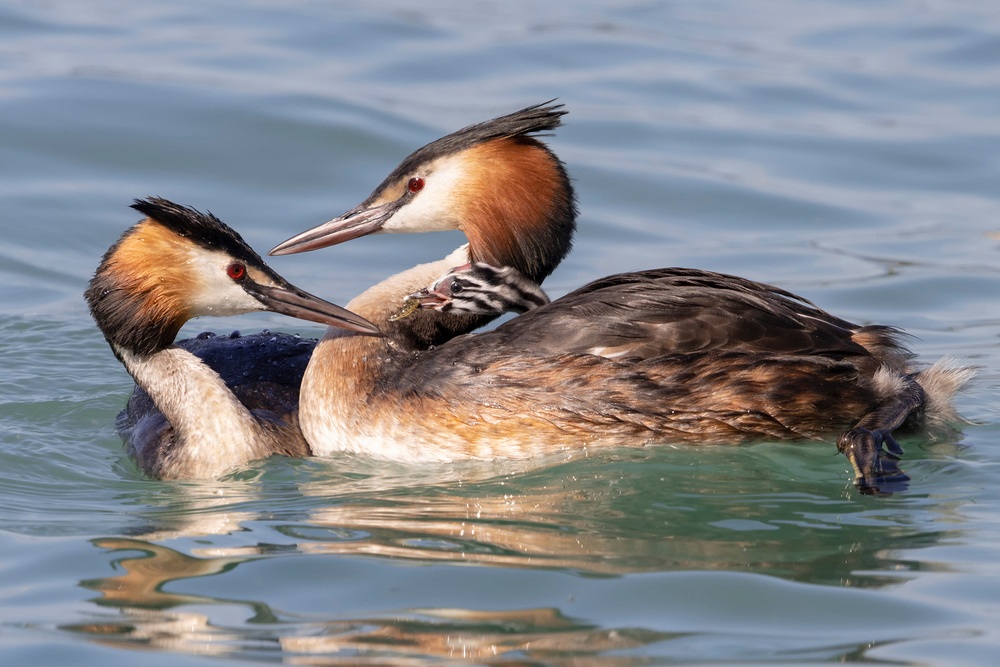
[847,151]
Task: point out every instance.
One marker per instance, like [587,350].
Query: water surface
[845,151]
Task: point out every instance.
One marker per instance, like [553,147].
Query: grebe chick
[174,265]
[481,289]
[664,355]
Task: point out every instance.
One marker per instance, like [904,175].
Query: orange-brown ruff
[183,420]
[677,355]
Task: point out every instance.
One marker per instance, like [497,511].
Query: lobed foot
[876,470]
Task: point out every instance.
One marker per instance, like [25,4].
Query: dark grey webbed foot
[890,442]
[877,471]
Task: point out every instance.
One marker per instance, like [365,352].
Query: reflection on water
[595,517]
[148,618]
[473,635]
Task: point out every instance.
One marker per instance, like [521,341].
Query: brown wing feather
[696,397]
[648,314]
[665,354]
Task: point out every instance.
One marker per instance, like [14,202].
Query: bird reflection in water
[149,620]
[591,517]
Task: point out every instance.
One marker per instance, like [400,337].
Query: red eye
[236,271]
[416,184]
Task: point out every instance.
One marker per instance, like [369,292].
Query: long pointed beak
[353,224]
[290,300]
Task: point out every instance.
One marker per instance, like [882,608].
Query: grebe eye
[416,184]
[236,270]
[456,287]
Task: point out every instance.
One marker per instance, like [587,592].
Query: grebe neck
[345,368]
[202,410]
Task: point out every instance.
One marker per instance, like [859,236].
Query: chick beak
[290,300]
[359,221]
[440,293]
[429,297]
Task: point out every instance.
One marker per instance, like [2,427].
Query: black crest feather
[203,228]
[528,121]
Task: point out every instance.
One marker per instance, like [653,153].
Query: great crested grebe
[186,422]
[671,355]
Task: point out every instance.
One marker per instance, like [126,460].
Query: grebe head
[481,289]
[493,181]
[177,264]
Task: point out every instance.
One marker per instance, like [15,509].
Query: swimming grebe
[665,355]
[186,422]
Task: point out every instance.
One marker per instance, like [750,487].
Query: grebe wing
[647,314]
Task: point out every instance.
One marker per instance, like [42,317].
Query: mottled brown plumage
[664,355]
[530,386]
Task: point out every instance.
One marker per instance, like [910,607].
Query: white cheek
[215,293]
[229,300]
[432,210]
